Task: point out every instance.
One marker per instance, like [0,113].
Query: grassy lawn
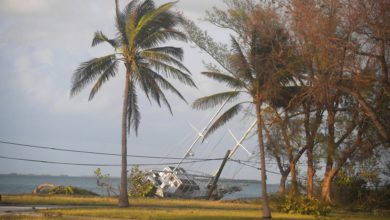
[104,208]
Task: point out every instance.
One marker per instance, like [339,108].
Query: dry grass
[167,209]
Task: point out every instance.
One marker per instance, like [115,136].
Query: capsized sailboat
[176,182]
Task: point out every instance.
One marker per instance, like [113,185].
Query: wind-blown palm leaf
[173,72]
[122,18]
[223,119]
[100,38]
[150,87]
[151,16]
[215,99]
[240,62]
[227,79]
[143,8]
[88,71]
[161,57]
[133,114]
[164,83]
[161,36]
[176,52]
[107,74]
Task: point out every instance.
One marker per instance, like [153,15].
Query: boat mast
[238,143]
[202,132]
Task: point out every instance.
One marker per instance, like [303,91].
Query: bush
[304,205]
[359,193]
[139,185]
[67,190]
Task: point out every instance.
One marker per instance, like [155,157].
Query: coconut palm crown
[140,44]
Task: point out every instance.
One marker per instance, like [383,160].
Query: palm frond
[215,99]
[143,8]
[240,62]
[229,80]
[160,37]
[161,57]
[122,18]
[151,88]
[164,83]
[176,52]
[173,72]
[152,15]
[133,114]
[88,71]
[100,38]
[223,119]
[107,74]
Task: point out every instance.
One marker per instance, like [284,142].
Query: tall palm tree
[258,71]
[142,29]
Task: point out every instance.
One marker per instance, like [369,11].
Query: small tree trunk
[309,151]
[282,184]
[264,195]
[331,153]
[294,182]
[123,197]
[325,194]
[310,172]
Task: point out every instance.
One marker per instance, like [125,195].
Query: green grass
[162,209]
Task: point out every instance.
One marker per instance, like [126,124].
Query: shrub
[304,205]
[139,185]
[67,190]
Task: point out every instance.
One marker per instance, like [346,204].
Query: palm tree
[258,71]
[142,28]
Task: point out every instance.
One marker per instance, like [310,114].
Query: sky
[42,42]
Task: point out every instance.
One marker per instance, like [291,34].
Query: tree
[346,77]
[284,138]
[254,68]
[142,29]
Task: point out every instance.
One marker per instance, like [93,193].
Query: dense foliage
[67,190]
[303,205]
[139,185]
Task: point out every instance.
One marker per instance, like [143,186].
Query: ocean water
[21,184]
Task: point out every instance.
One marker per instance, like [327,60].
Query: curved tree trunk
[282,184]
[331,148]
[264,195]
[326,183]
[123,197]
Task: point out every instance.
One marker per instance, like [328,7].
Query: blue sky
[41,44]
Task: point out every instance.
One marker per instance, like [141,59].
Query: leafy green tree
[139,185]
[142,29]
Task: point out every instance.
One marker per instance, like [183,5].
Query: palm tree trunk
[123,197]
[264,195]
